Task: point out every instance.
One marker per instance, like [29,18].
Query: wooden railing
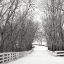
[58,53]
[11,56]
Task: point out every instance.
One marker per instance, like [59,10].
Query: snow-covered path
[39,56]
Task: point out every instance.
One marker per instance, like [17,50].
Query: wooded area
[16,28]
[54,27]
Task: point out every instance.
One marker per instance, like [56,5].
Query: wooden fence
[11,56]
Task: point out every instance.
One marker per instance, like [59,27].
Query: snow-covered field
[40,55]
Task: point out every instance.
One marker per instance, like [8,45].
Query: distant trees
[54,24]
[39,36]
[16,31]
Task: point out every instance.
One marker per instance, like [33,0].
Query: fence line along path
[11,56]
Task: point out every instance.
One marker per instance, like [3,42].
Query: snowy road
[39,56]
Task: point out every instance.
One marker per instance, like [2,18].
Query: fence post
[3,57]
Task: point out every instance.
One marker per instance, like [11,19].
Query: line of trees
[54,24]
[16,30]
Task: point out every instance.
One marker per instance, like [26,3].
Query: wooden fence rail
[11,56]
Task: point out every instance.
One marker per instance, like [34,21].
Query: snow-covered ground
[39,56]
